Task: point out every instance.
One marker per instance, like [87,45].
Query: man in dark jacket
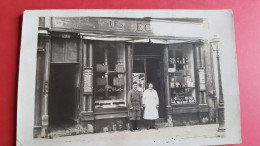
[134,104]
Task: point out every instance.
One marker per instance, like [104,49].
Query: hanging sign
[202,79]
[88,80]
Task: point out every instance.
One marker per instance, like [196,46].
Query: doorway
[63,94]
[154,76]
[148,61]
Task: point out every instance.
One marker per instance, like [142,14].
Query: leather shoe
[136,128]
[153,127]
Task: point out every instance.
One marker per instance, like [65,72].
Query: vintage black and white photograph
[117,77]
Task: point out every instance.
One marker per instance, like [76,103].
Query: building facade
[86,66]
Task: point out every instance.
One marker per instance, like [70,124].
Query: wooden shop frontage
[86,66]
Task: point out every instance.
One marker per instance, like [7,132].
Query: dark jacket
[134,99]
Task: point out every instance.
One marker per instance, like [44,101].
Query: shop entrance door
[154,76]
[149,70]
[63,95]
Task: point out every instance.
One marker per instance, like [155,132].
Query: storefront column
[198,66]
[129,68]
[90,64]
[39,82]
[201,83]
[45,118]
[86,62]
[167,88]
[83,58]
[39,86]
[129,48]
[87,100]
[201,65]
[203,47]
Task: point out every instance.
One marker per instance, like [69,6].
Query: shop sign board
[104,24]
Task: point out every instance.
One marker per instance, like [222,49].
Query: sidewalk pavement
[165,135]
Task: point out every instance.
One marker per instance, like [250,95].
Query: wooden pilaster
[166,75]
[90,64]
[83,59]
[45,118]
[198,66]
[166,82]
[129,48]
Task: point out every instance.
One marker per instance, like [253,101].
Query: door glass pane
[138,66]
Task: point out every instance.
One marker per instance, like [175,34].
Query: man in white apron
[151,105]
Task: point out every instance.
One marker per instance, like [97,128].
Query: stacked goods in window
[172,83]
[101,68]
[189,82]
[119,81]
[101,81]
[179,79]
[120,68]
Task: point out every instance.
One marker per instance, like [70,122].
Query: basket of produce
[118,81]
[101,81]
[119,68]
[101,68]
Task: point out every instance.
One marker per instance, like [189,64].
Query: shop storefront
[86,66]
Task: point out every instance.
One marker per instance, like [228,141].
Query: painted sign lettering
[143,27]
[111,25]
[114,24]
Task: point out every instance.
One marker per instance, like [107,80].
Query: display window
[181,74]
[109,74]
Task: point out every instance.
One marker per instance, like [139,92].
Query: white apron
[150,100]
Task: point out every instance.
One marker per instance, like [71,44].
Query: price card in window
[88,80]
[171,69]
[202,79]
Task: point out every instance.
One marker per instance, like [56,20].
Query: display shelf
[109,103]
[115,72]
[100,91]
[183,88]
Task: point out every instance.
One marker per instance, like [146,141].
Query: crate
[101,81]
[101,68]
[119,68]
[118,81]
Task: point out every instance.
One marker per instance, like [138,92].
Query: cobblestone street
[165,136]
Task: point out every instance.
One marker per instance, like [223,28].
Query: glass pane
[182,81]
[64,50]
[110,88]
[57,50]
[71,52]
[112,57]
[138,66]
